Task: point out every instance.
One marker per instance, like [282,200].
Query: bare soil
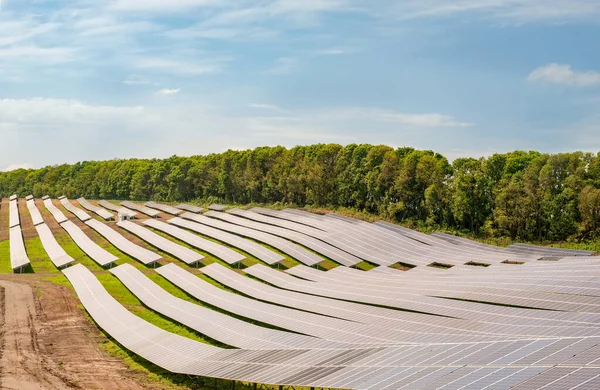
[46,341]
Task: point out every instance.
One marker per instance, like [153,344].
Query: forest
[523,195]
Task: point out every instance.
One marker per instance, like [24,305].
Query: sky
[91,80]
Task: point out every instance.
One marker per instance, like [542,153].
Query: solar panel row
[95,209]
[227,255]
[36,217]
[119,209]
[257,250]
[79,213]
[163,207]
[56,213]
[190,208]
[297,252]
[142,209]
[184,254]
[55,252]
[18,253]
[93,250]
[13,216]
[143,255]
[244,218]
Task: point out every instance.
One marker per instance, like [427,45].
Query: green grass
[73,250]
[365,266]
[40,262]
[5,267]
[327,264]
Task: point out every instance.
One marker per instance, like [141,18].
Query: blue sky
[87,80]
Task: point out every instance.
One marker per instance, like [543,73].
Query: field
[50,341]
[60,332]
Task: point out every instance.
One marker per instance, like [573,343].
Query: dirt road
[46,342]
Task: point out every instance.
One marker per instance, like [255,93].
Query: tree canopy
[525,195]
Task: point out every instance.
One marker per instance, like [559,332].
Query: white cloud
[15,31]
[519,11]
[168,92]
[332,52]
[565,75]
[283,65]
[426,120]
[60,112]
[161,5]
[14,167]
[382,115]
[263,106]
[48,54]
[182,68]
[136,79]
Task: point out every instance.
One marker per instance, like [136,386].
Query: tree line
[524,195]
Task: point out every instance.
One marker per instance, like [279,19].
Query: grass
[440,265]
[327,264]
[402,266]
[5,267]
[40,262]
[365,266]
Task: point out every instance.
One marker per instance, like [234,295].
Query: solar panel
[95,209]
[18,253]
[184,254]
[143,255]
[528,248]
[93,250]
[55,252]
[215,325]
[163,207]
[56,213]
[217,207]
[227,255]
[36,217]
[416,327]
[530,326]
[142,209]
[297,252]
[190,208]
[13,216]
[79,213]
[119,209]
[312,243]
[331,329]
[258,251]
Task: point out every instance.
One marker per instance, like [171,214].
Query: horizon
[151,79]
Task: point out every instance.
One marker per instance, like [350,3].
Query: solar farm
[294,299]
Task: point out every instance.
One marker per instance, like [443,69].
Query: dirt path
[22,367]
[46,342]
